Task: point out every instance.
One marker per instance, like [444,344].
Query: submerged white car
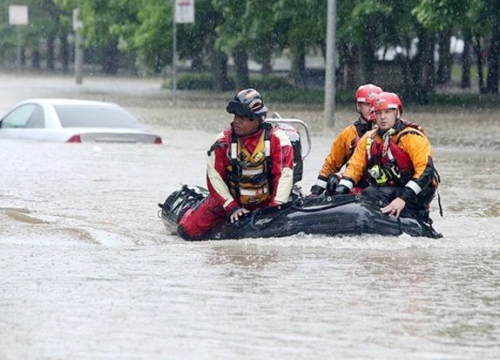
[74,121]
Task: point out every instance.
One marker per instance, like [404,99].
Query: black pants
[383,195]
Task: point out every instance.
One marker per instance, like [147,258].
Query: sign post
[18,15]
[183,14]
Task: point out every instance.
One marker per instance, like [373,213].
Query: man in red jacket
[249,166]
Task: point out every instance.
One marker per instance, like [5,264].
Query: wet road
[90,273]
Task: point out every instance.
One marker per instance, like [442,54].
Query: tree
[38,37]
[474,18]
[303,27]
[103,21]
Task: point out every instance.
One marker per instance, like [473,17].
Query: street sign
[184,11]
[18,15]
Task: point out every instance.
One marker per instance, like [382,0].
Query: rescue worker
[249,166]
[343,146]
[396,158]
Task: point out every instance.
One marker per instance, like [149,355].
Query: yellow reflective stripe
[369,142]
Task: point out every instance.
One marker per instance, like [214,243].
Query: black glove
[316,190]
[342,190]
[331,184]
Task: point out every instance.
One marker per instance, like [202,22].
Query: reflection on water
[89,272]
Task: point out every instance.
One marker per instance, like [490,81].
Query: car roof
[62,101]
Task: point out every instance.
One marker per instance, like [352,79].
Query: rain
[90,272]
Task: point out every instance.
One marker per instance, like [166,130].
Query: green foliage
[443,14]
[295,96]
[143,31]
[307,97]
[204,81]
[194,81]
[466,101]
[265,83]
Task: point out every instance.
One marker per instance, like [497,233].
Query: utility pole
[330,64]
[77,26]
[174,55]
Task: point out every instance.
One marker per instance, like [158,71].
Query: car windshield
[95,116]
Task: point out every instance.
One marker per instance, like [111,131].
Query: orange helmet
[365,93]
[386,100]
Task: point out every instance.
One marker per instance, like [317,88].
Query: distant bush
[203,81]
[309,96]
[275,88]
[465,100]
[297,96]
[192,81]
[266,83]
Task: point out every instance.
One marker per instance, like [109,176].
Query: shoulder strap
[406,131]
[361,128]
[267,144]
[214,146]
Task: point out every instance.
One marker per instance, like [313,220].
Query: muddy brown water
[89,272]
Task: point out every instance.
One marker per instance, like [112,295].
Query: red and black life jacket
[387,163]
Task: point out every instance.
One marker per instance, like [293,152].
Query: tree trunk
[445,59]
[351,68]
[240,57]
[264,53]
[197,63]
[266,68]
[35,59]
[219,70]
[51,53]
[298,66]
[423,73]
[64,51]
[367,56]
[111,58]
[466,81]
[479,59]
[493,63]
[406,67]
[429,78]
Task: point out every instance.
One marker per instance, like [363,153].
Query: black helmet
[248,103]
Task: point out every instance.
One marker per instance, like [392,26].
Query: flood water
[89,272]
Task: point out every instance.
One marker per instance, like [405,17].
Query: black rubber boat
[340,215]
[325,215]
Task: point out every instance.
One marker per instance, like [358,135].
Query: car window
[37,119]
[18,117]
[95,116]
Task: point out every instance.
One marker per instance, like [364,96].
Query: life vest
[249,173]
[387,163]
[361,129]
[249,180]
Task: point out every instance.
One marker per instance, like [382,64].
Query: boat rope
[324,207]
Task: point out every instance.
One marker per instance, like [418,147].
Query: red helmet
[386,100]
[365,93]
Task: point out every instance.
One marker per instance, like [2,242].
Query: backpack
[294,136]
